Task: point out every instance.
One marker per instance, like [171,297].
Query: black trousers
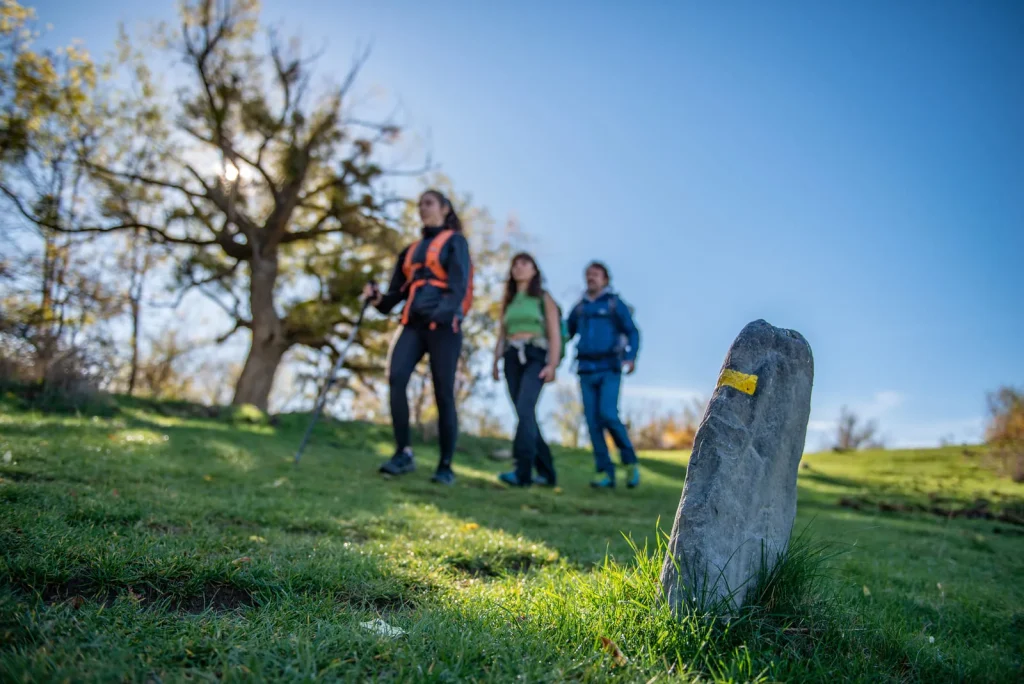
[524,386]
[444,346]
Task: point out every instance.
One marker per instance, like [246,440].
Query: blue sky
[854,171]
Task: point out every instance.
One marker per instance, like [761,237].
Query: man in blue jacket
[607,346]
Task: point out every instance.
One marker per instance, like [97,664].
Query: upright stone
[739,497]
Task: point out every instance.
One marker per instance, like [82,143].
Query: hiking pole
[322,397]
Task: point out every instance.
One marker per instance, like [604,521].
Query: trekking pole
[322,397]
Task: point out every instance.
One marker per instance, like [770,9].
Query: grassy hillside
[155,545]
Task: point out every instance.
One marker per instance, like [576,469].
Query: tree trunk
[269,342]
[135,347]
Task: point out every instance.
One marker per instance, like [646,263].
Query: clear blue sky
[854,171]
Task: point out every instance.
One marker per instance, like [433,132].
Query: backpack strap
[433,258]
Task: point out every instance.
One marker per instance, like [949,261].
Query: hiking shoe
[399,464]
[445,477]
[542,481]
[511,479]
[634,476]
[604,482]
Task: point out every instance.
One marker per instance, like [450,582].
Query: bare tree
[852,434]
[568,414]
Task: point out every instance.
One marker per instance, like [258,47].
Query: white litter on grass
[8,458]
[382,628]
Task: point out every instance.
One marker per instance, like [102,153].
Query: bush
[70,383]
[1005,431]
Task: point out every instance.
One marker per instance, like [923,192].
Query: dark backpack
[562,324]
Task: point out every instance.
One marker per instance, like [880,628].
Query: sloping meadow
[157,544]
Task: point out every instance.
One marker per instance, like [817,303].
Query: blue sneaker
[399,464]
[443,476]
[542,481]
[511,479]
[604,482]
[634,476]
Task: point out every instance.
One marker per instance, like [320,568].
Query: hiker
[607,347]
[530,343]
[434,276]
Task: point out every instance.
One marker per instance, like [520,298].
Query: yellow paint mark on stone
[740,381]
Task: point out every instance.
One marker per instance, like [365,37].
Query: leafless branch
[157,233]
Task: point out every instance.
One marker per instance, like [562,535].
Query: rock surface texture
[739,498]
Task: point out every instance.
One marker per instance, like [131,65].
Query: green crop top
[525,314]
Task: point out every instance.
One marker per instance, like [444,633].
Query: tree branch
[158,233]
[239,324]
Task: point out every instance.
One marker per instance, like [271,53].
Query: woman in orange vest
[434,276]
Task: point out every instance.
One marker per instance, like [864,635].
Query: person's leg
[405,353]
[444,346]
[513,379]
[543,462]
[608,411]
[590,391]
[524,446]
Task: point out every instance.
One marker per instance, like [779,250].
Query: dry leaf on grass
[468,527]
[618,656]
[240,561]
[258,539]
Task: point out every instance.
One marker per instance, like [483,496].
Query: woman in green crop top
[530,343]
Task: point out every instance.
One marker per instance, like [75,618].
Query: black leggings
[524,386]
[443,345]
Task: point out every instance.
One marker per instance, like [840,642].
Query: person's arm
[499,349]
[554,328]
[457,266]
[396,292]
[573,322]
[553,323]
[628,327]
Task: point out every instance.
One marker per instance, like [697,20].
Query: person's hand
[628,367]
[496,372]
[547,374]
[371,293]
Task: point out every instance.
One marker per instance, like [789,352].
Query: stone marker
[739,496]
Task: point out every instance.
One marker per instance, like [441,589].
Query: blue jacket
[608,336]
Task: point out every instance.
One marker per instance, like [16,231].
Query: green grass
[153,546]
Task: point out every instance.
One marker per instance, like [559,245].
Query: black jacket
[432,304]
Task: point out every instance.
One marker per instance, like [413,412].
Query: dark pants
[443,345]
[601,407]
[524,386]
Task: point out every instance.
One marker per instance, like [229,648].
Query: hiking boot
[605,481]
[542,481]
[634,476]
[399,464]
[444,476]
[511,479]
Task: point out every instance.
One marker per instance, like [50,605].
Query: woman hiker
[434,277]
[530,342]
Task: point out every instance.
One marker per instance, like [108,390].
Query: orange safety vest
[438,276]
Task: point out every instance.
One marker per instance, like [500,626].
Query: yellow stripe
[741,381]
